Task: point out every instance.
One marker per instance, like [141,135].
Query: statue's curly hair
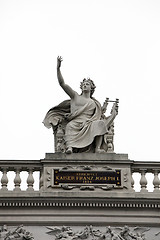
[93,86]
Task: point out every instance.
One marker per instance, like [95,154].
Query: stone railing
[13,173]
[148,176]
[25,175]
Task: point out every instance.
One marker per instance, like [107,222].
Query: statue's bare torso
[79,101]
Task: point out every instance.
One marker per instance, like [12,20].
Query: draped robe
[85,123]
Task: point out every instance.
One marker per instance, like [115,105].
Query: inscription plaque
[88,177]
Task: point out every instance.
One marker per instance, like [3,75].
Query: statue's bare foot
[98,150]
[69,150]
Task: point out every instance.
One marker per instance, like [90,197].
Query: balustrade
[145,176]
[19,168]
[143,169]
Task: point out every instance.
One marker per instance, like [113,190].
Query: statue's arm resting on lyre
[65,87]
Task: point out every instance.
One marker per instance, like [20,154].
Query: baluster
[156,181]
[143,181]
[4,180]
[30,180]
[17,180]
[132,180]
[41,180]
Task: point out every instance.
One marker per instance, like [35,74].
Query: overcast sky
[116,43]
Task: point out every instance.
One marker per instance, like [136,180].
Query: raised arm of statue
[65,87]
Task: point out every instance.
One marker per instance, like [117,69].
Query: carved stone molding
[86,167]
[15,233]
[83,203]
[90,232]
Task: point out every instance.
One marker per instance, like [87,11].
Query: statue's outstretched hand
[59,60]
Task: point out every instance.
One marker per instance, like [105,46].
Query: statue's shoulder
[96,101]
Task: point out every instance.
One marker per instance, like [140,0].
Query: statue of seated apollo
[79,124]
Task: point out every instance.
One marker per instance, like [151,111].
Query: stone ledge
[90,157]
[80,195]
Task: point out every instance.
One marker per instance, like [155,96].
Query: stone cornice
[118,203]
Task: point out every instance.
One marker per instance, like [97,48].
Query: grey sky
[115,43]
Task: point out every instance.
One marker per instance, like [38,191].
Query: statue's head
[91,83]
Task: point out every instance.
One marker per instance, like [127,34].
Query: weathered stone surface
[70,232]
[79,124]
[87,171]
[80,204]
[87,157]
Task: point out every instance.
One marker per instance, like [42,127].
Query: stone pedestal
[82,173]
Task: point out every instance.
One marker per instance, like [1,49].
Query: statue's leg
[98,141]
